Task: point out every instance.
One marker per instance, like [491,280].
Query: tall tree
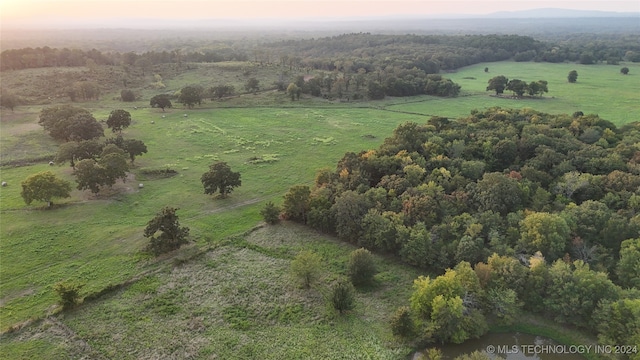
[171,235]
[162,101]
[44,186]
[118,120]
[70,123]
[191,95]
[220,178]
[498,83]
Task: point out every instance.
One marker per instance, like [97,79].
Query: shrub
[69,294]
[306,267]
[362,267]
[401,323]
[127,95]
[343,296]
[270,213]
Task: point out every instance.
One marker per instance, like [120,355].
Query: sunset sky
[41,12]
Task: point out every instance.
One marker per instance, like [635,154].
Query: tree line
[545,206]
[430,53]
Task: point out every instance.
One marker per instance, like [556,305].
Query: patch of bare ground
[25,292]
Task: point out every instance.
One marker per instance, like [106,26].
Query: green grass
[238,302]
[95,240]
[274,143]
[600,89]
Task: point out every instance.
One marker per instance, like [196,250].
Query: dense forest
[545,206]
[350,52]
[349,66]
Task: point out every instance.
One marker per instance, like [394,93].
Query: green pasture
[96,240]
[600,89]
[274,143]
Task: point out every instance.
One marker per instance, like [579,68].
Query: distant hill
[558,13]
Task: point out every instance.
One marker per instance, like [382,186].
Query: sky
[40,12]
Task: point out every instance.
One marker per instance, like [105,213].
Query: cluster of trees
[506,182]
[500,83]
[96,163]
[192,95]
[456,306]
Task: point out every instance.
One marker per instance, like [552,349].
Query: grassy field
[600,89]
[237,301]
[96,240]
[274,143]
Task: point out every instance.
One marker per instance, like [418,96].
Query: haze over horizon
[40,14]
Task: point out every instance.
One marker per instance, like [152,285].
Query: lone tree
[220,178]
[498,83]
[191,95]
[161,101]
[171,235]
[44,186]
[573,76]
[623,71]
[118,120]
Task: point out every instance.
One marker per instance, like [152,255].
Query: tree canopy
[191,95]
[220,178]
[162,101]
[44,186]
[165,233]
[119,120]
[69,123]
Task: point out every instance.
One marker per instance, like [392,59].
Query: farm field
[98,241]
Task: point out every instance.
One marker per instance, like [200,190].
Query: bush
[127,95]
[69,294]
[306,267]
[362,267]
[270,213]
[401,323]
[343,296]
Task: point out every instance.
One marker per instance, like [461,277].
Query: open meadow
[233,298]
[600,89]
